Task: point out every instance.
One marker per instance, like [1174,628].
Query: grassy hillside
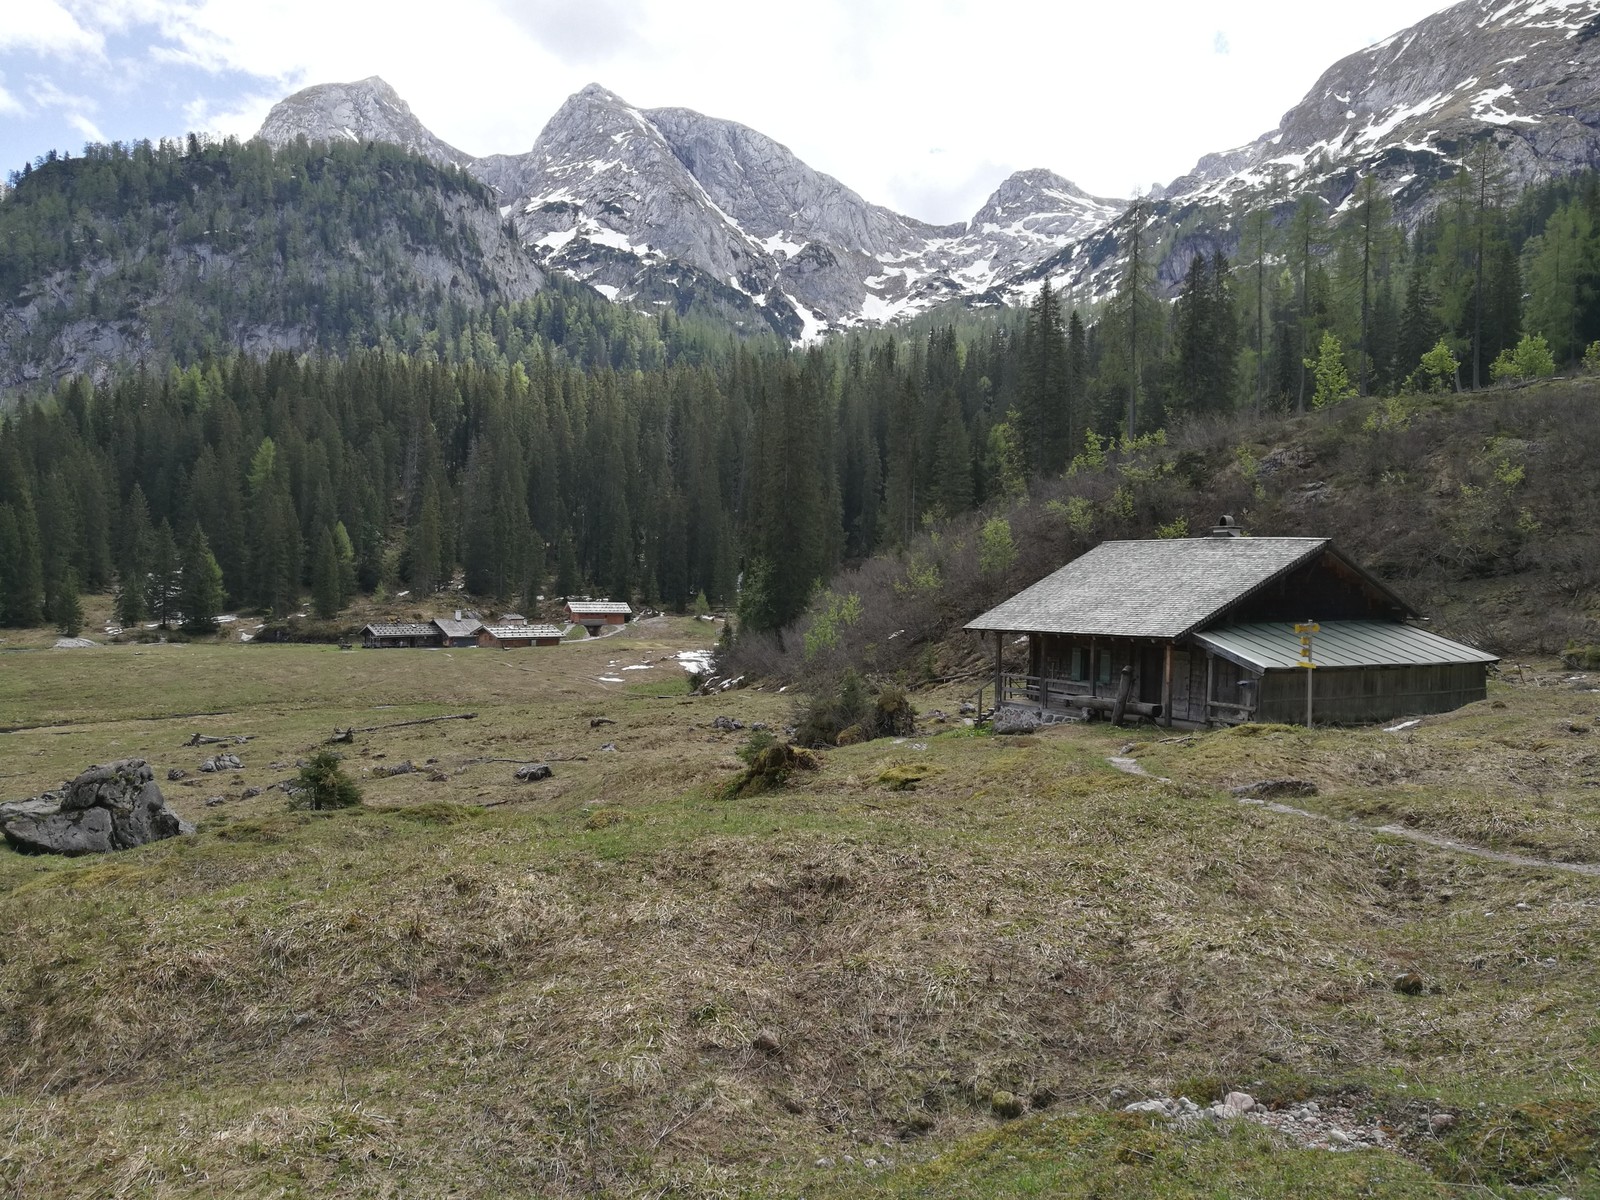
[1479,509]
[618,982]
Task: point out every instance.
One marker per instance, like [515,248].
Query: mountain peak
[367,110]
[1036,191]
[595,91]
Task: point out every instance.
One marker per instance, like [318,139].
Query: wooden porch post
[999,679]
[1094,667]
[1211,691]
[1166,690]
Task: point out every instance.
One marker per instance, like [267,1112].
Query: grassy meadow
[618,982]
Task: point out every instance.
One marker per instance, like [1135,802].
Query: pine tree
[567,578]
[68,608]
[162,580]
[1420,324]
[21,576]
[951,493]
[1044,396]
[427,542]
[325,577]
[1368,227]
[201,595]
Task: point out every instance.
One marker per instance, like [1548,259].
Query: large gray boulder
[112,807]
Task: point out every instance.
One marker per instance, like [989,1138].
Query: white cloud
[45,27]
[9,104]
[91,131]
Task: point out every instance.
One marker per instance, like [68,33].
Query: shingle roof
[1339,644]
[518,631]
[451,627]
[407,629]
[1162,588]
[598,608]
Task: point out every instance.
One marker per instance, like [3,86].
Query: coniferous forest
[560,443]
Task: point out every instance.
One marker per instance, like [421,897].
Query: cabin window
[1080,673]
[1105,668]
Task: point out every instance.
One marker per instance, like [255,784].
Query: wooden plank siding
[1361,695]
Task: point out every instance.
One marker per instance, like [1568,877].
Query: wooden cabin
[594,614]
[517,635]
[400,635]
[1203,631]
[458,631]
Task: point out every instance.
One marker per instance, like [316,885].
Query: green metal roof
[1338,644]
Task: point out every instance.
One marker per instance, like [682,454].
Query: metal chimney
[1226,526]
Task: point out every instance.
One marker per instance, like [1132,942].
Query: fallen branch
[345,735]
[523,762]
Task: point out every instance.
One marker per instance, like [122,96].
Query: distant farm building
[400,634]
[1202,631]
[516,635]
[594,614]
[458,631]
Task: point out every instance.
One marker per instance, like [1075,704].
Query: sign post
[1305,629]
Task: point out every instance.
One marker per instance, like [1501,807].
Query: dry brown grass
[621,984]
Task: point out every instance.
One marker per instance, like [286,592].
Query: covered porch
[1079,678]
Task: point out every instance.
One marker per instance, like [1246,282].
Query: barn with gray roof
[1204,630]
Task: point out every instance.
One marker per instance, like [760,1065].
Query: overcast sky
[923,105]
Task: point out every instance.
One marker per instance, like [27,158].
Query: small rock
[767,1042]
[1440,1122]
[1224,1112]
[399,768]
[250,793]
[438,777]
[1006,1104]
[1013,721]
[1243,1101]
[609,747]
[176,773]
[532,772]
[824,1162]
[596,722]
[1339,1137]
[968,708]
[213,801]
[726,724]
[1409,984]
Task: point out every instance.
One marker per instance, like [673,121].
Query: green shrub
[323,785]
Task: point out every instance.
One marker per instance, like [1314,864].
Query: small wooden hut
[1203,631]
[593,615]
[517,635]
[458,630]
[400,635]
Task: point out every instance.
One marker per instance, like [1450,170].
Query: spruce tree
[162,580]
[21,573]
[201,595]
[68,607]
[325,577]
